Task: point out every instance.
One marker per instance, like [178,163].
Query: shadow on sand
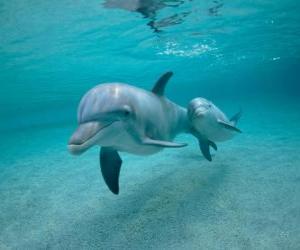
[156,213]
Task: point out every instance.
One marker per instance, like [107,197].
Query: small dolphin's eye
[126,111]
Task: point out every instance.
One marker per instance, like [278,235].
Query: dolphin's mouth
[197,114]
[83,135]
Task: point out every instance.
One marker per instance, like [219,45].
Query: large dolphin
[121,117]
[209,124]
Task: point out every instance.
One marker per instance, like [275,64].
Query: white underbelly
[122,141]
[220,135]
[126,143]
[214,132]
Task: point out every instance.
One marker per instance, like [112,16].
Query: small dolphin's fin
[213,145]
[234,119]
[110,163]
[229,126]
[165,144]
[204,146]
[160,85]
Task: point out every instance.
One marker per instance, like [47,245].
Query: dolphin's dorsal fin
[160,85]
[229,126]
[110,163]
[234,119]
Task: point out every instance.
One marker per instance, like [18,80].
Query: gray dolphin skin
[209,124]
[120,117]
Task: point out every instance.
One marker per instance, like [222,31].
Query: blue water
[235,53]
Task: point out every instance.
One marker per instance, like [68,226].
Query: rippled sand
[247,198]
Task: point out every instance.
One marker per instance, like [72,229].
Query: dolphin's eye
[126,111]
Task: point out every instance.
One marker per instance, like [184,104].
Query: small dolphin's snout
[199,114]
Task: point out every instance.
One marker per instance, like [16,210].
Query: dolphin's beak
[199,114]
[81,140]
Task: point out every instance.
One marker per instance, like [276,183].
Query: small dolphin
[121,117]
[209,124]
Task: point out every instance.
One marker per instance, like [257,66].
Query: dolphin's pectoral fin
[160,85]
[204,146]
[165,144]
[234,119]
[213,145]
[229,126]
[110,164]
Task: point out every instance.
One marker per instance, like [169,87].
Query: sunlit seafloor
[237,54]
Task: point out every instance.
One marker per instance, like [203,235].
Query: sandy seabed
[247,198]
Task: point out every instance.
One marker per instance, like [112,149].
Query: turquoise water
[235,53]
